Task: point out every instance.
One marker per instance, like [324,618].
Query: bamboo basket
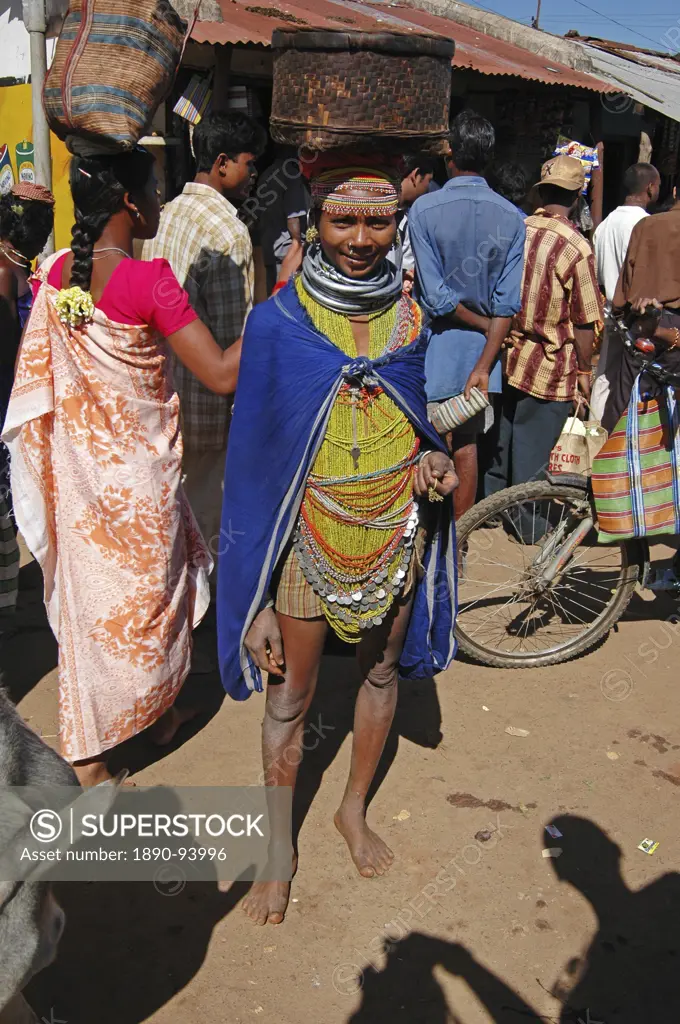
[387,91]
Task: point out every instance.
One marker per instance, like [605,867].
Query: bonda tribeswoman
[330,457]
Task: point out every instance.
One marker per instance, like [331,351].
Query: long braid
[99,186]
[84,234]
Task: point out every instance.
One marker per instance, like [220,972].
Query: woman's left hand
[435,470]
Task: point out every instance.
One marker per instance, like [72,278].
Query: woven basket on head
[343,89]
[115,62]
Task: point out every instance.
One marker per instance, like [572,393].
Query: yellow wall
[16,124]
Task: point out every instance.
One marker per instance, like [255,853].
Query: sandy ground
[481,930]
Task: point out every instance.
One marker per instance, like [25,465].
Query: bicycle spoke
[503,565]
[484,583]
[520,638]
[468,607]
[599,586]
[554,597]
[569,592]
[511,600]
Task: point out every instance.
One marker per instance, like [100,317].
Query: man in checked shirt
[210,252]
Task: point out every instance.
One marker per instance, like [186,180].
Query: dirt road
[482,929]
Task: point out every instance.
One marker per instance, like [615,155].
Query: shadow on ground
[127,950]
[203,692]
[628,974]
[330,720]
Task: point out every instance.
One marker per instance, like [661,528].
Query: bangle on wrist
[676,338]
[587,373]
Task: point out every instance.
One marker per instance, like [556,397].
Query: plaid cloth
[210,252]
[298,599]
[559,292]
[636,476]
[9,562]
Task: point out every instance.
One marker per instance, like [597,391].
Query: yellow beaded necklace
[357,516]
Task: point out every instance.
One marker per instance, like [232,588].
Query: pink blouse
[140,292]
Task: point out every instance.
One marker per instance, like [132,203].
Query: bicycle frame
[562,551]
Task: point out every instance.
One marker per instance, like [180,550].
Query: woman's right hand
[645,323]
[265,644]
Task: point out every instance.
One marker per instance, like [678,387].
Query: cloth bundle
[114,63]
[636,476]
[457,410]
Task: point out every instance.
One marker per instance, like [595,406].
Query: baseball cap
[563,171]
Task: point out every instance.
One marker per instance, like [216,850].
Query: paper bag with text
[577,446]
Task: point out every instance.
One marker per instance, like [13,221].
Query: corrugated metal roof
[249,22]
[491,56]
[649,78]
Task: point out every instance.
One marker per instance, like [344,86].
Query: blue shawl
[289,378]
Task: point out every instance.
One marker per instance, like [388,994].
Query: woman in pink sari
[93,430]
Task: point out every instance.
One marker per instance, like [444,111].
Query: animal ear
[15,814]
[93,800]
[6,890]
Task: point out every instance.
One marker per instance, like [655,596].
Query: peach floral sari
[93,430]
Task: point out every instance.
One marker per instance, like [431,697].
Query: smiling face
[356,243]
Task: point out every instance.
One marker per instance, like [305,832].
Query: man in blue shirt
[468,244]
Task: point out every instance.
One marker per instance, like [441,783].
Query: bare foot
[165,729]
[368,851]
[267,902]
[92,773]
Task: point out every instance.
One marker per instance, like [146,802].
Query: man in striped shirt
[549,362]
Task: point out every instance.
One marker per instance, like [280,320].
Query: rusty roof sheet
[249,22]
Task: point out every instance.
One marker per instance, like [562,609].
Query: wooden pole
[220,97]
[35,20]
[597,187]
[538,15]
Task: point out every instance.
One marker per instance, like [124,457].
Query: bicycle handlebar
[645,350]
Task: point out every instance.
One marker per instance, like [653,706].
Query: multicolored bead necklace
[358,518]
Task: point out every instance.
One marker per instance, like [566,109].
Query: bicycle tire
[632,561]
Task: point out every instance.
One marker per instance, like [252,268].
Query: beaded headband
[335,191]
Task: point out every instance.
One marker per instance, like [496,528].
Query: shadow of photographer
[627,975]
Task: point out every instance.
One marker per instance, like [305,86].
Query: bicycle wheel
[534,586]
